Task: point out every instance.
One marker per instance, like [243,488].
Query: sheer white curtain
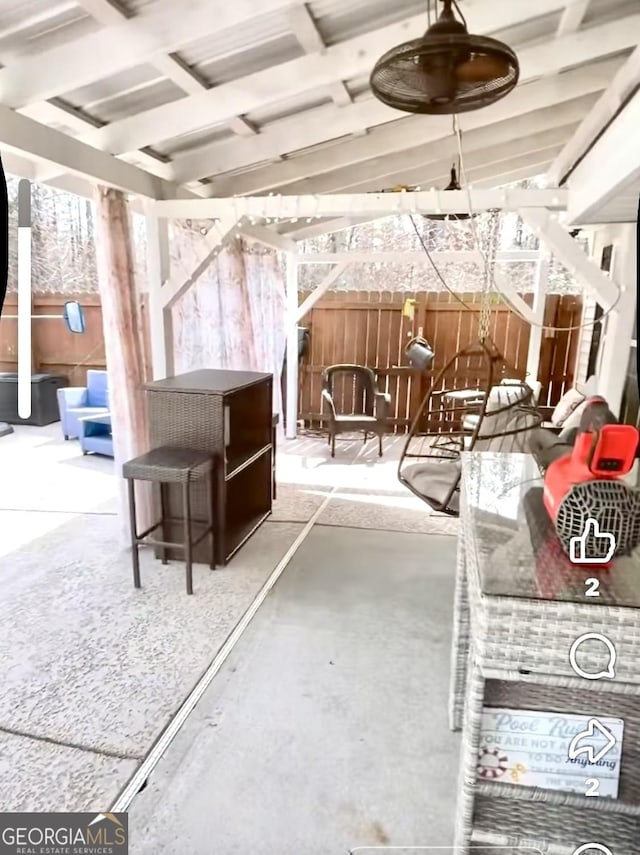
[233,317]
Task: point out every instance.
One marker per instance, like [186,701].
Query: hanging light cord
[457,8]
[435,266]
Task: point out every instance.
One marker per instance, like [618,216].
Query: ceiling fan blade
[481,69]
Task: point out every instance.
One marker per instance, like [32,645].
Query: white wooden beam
[479,167]
[349,59]
[267,237]
[59,116]
[509,293]
[42,16]
[305,307]
[618,325]
[169,65]
[299,232]
[539,301]
[427,166]
[241,126]
[398,136]
[163,29]
[108,14]
[30,138]
[512,176]
[559,241]
[610,167]
[307,33]
[454,256]
[572,17]
[211,245]
[291,430]
[371,204]
[20,167]
[286,137]
[625,81]
[541,128]
[268,86]
[158,272]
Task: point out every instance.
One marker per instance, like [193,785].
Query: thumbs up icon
[602,545]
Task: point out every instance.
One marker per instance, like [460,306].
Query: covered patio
[314,668]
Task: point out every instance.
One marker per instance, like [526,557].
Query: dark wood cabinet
[228,414]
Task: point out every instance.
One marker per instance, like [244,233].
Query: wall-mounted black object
[304,342]
[596,335]
[4,236]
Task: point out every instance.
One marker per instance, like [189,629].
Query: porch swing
[501,412]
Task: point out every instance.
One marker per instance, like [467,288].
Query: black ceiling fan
[447,70]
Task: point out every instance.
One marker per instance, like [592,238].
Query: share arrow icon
[594,730]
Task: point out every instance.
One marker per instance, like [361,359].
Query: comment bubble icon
[609,672]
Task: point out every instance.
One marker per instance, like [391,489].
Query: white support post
[539,299]
[292,348]
[509,293]
[157,274]
[618,329]
[559,241]
[321,290]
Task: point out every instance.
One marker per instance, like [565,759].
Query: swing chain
[490,260]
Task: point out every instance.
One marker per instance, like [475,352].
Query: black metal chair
[352,403]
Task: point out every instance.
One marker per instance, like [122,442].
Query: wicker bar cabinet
[229,415]
[520,607]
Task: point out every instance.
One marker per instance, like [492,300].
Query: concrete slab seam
[122,803]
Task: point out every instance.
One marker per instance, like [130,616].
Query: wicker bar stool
[165,466]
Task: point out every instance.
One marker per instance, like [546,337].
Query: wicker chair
[353,388]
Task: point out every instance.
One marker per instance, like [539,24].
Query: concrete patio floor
[94,669]
[326,729]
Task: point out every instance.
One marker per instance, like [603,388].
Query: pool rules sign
[573,753]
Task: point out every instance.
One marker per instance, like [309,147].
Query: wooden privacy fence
[370,328]
[54,349]
[367,328]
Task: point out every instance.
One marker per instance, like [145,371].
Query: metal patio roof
[210,97]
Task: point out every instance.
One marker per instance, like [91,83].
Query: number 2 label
[593,587]
[593,787]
